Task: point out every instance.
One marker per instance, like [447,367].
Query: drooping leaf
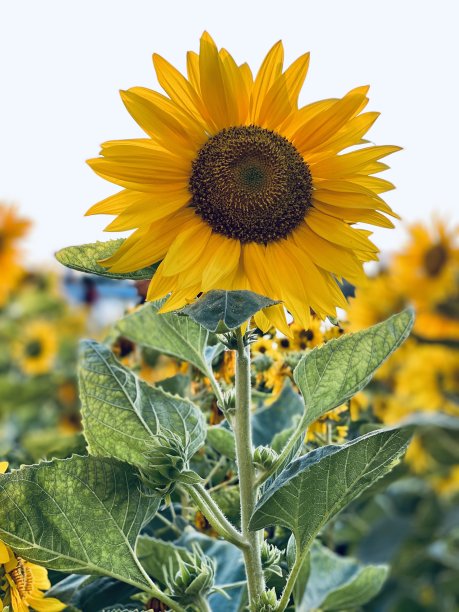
[330,375]
[121,413]
[316,486]
[271,419]
[85,258]
[339,583]
[168,333]
[91,592]
[79,515]
[220,311]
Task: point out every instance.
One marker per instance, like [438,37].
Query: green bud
[264,457]
[266,602]
[168,462]
[262,363]
[270,555]
[194,579]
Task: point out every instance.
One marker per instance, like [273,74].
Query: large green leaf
[168,333]
[328,376]
[80,515]
[85,258]
[339,583]
[220,311]
[315,487]
[121,413]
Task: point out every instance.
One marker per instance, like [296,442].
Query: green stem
[283,603]
[299,431]
[248,490]
[158,594]
[203,604]
[216,388]
[214,515]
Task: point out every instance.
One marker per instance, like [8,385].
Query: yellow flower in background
[12,229]
[428,269]
[35,351]
[236,187]
[449,484]
[22,583]
[374,302]
[428,380]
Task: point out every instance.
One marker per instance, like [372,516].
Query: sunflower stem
[246,469]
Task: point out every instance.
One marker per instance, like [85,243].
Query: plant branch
[215,516]
[244,453]
[286,593]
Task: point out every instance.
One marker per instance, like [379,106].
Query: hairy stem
[283,603]
[216,387]
[215,516]
[248,489]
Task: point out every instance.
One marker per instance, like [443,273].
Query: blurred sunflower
[22,583]
[35,351]
[428,269]
[236,187]
[12,229]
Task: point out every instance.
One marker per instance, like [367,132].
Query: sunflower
[35,352]
[237,187]
[12,229]
[427,271]
[21,582]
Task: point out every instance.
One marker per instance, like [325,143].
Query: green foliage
[330,375]
[338,583]
[85,258]
[123,416]
[222,440]
[220,311]
[315,487]
[168,333]
[79,515]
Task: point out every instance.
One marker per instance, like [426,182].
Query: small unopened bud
[168,462]
[264,457]
[194,578]
[270,555]
[266,602]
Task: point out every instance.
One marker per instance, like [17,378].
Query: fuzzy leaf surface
[316,486]
[80,515]
[330,375]
[219,311]
[157,556]
[85,258]
[121,413]
[167,333]
[339,583]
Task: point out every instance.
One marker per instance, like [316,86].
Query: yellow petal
[355,215]
[148,209]
[338,231]
[351,163]
[224,260]
[187,247]
[269,71]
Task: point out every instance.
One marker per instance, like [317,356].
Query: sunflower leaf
[85,258]
[221,311]
[121,413]
[157,556]
[339,583]
[330,375]
[168,333]
[318,485]
[80,515]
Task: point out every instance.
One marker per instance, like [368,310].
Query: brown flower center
[435,259]
[250,184]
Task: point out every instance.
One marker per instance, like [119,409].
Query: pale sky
[62,63]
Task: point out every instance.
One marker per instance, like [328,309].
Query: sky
[63,62]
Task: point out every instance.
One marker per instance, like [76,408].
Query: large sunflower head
[237,187]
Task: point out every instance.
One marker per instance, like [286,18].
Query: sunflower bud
[270,558]
[168,462]
[264,457]
[194,578]
[266,602]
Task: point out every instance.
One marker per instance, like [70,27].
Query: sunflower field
[273,421]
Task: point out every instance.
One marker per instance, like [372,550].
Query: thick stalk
[248,489]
